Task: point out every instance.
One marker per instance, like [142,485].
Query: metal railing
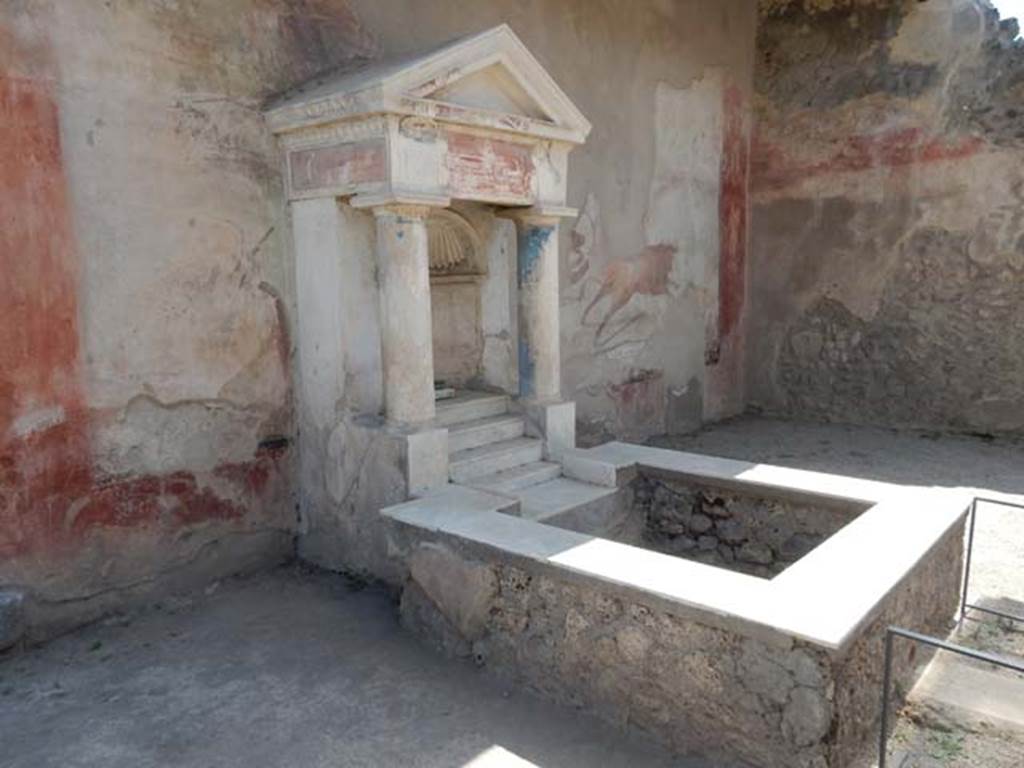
[892,633]
[964,605]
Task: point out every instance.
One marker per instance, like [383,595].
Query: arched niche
[457,272]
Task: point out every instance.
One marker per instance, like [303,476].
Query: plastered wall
[145,348]
[148,375]
[647,346]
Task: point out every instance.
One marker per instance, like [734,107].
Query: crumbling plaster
[888,240]
[145,359]
[148,365]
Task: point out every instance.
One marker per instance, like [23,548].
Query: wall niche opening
[457,271]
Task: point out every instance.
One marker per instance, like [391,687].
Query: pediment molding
[488,80]
[478,119]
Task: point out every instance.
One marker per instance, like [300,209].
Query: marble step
[563,501]
[508,481]
[448,498]
[960,694]
[492,429]
[469,406]
[472,463]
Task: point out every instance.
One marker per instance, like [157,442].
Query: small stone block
[426,455]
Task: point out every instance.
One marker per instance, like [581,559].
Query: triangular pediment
[488,80]
[493,89]
[492,72]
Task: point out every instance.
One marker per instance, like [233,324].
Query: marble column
[406,337]
[540,364]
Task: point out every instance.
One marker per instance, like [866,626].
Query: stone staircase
[488,450]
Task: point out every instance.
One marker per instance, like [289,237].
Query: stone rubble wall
[698,686]
[755,535]
[887,234]
[925,601]
[692,686]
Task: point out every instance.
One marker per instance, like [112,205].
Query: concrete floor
[295,668]
[291,668]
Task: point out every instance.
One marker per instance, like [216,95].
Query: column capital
[538,215]
[391,198]
[402,210]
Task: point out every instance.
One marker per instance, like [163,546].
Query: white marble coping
[742,473]
[822,599]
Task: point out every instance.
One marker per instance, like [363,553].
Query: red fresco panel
[342,165]
[732,214]
[487,168]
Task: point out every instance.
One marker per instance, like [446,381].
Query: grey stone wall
[887,244]
[696,686]
[926,601]
[760,536]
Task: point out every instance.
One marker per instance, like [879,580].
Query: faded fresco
[145,358]
[147,427]
[888,238]
[650,323]
[644,346]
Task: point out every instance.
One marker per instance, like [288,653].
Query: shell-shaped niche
[453,244]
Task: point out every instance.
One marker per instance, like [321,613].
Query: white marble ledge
[731,472]
[823,599]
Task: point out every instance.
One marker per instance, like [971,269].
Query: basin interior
[758,532]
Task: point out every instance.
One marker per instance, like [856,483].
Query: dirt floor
[300,668]
[289,669]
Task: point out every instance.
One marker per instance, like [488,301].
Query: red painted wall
[60,516]
[43,441]
[887,241]
[50,495]
[724,356]
[776,170]
[733,212]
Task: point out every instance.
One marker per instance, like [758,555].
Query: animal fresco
[645,274]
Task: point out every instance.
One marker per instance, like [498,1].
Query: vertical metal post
[892,632]
[967,560]
[883,736]
[988,658]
